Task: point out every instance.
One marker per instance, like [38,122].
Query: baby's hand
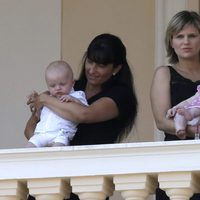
[30,98]
[65,98]
[32,95]
[68,98]
[171,112]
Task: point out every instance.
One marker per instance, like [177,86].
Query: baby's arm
[172,111]
[68,98]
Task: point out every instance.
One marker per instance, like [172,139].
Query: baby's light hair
[60,65]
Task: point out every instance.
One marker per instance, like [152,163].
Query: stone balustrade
[94,172]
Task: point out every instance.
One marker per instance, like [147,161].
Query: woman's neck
[189,69]
[189,65]
[91,90]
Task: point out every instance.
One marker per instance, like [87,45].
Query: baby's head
[59,78]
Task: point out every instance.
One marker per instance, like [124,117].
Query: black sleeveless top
[180,89]
[105,132]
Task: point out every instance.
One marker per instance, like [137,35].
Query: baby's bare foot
[181,134]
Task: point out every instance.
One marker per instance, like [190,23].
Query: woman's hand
[191,130]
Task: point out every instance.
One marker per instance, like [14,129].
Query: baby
[52,130]
[186,113]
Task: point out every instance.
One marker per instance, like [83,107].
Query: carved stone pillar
[179,194]
[92,188]
[13,190]
[135,186]
[179,185]
[49,189]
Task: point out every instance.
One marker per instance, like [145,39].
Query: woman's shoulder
[117,89]
[162,72]
[163,69]
[119,93]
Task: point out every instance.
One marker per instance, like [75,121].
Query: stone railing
[95,172]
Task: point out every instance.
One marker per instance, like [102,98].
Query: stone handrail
[96,171]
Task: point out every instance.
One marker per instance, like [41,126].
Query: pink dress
[194,104]
[196,101]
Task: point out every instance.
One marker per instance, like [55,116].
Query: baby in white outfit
[52,130]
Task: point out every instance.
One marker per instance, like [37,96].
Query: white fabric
[47,139]
[53,124]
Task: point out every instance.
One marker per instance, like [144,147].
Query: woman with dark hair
[107,81]
[106,78]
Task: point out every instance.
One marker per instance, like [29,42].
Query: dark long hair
[109,49]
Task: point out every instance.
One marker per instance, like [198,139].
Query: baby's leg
[180,125]
[187,113]
[57,144]
[60,140]
[38,140]
[30,145]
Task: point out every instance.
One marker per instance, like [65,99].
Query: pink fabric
[196,101]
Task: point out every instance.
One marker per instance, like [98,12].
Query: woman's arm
[101,110]
[160,99]
[30,126]
[191,130]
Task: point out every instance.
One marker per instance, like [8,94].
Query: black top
[180,88]
[105,132]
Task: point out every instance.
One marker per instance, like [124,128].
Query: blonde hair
[176,24]
[60,65]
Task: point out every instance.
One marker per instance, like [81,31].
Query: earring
[114,74]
